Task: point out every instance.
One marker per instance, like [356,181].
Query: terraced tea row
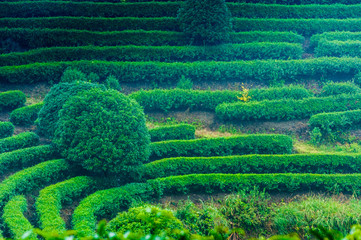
[170,9]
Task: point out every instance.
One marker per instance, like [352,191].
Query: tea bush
[175,132]
[6,129]
[26,115]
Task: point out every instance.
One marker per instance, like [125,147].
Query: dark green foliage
[112,83]
[15,220]
[50,201]
[11,99]
[336,48]
[30,9]
[27,157]
[36,38]
[54,101]
[174,99]
[155,72]
[71,75]
[295,163]
[336,121]
[333,89]
[224,146]
[22,140]
[205,22]
[286,2]
[32,178]
[306,27]
[184,83]
[104,132]
[6,129]
[288,108]
[146,220]
[26,115]
[175,132]
[107,203]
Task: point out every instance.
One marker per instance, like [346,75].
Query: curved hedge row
[107,203]
[32,178]
[174,99]
[223,146]
[288,108]
[229,52]
[26,115]
[170,9]
[27,157]
[11,99]
[348,48]
[333,36]
[39,38]
[258,70]
[174,132]
[15,220]
[6,129]
[336,121]
[306,27]
[295,163]
[113,200]
[22,140]
[280,182]
[50,200]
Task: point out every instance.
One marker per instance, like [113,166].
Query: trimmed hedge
[336,121]
[170,9]
[334,36]
[281,182]
[261,71]
[6,129]
[306,27]
[333,89]
[107,203]
[15,220]
[22,140]
[348,48]
[288,108]
[286,2]
[174,132]
[11,99]
[174,99]
[295,163]
[229,52]
[36,38]
[223,146]
[32,178]
[26,9]
[50,200]
[26,115]
[27,157]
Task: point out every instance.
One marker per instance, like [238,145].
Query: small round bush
[146,220]
[205,22]
[53,103]
[112,83]
[6,129]
[71,75]
[103,131]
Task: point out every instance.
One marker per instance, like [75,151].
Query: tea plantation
[276,82]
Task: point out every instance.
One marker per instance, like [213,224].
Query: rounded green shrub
[53,103]
[103,131]
[146,220]
[71,75]
[6,129]
[205,22]
[11,100]
[332,89]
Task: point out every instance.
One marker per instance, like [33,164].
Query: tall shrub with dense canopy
[53,103]
[205,22]
[104,132]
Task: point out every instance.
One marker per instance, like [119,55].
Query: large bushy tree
[104,132]
[205,22]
